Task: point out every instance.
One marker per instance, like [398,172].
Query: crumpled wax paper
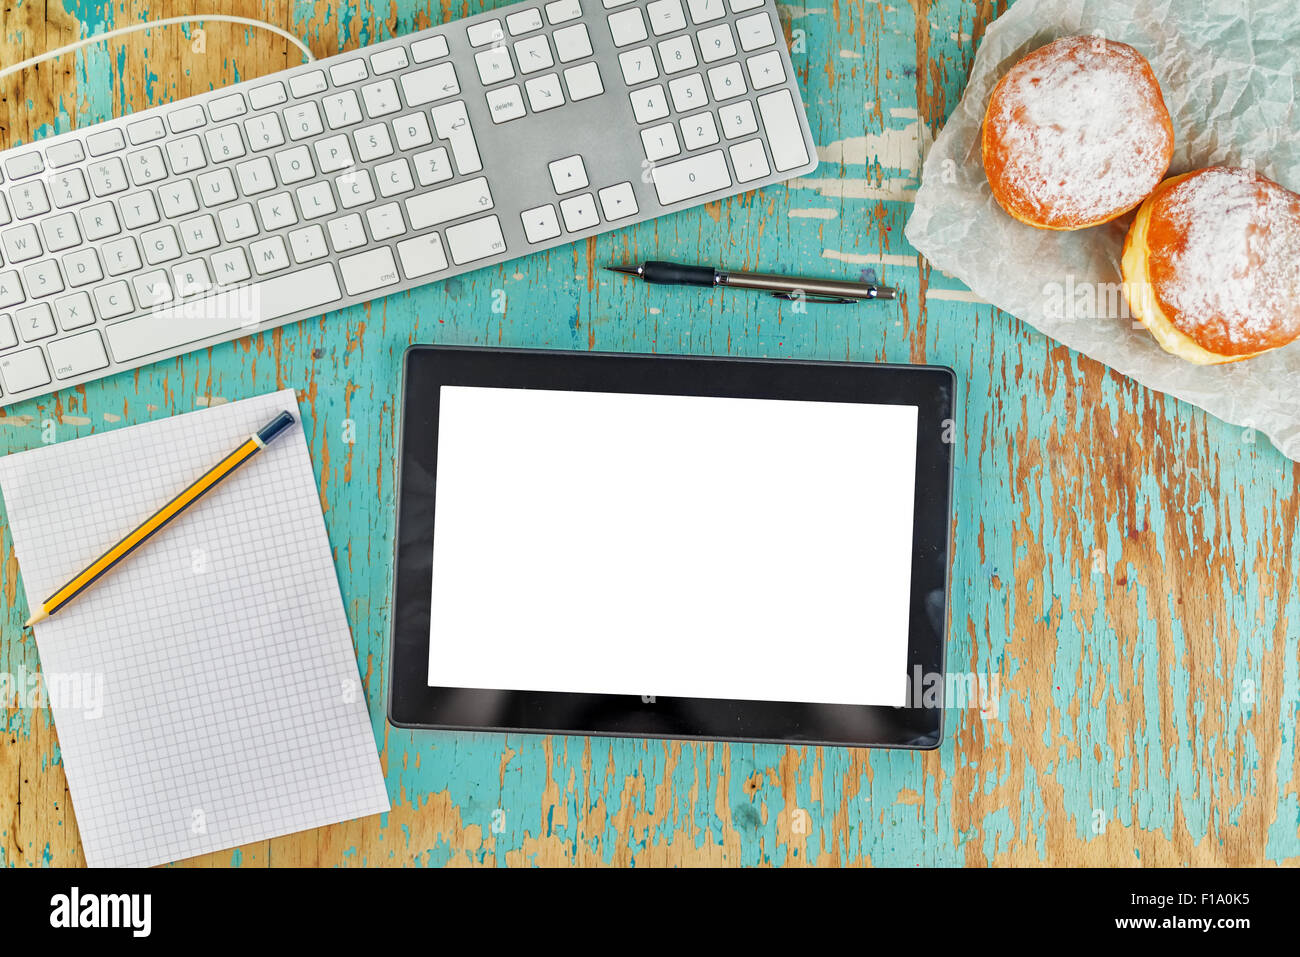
[1229,71]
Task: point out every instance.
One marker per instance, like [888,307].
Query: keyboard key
[178,199]
[381,99]
[506,103]
[477,239]
[638,66]
[688,93]
[749,161]
[740,6]
[230,266]
[579,212]
[727,81]
[430,84]
[224,143]
[73,312]
[568,174]
[696,176]
[186,154]
[389,61]
[333,154]
[308,244]
[305,84]
[29,199]
[448,203]
[540,224]
[385,222]
[105,141]
[107,176]
[373,142]
[35,322]
[191,278]
[64,154]
[272,94]
[238,222]
[276,211]
[738,119]
[294,165]
[186,118]
[562,11]
[269,255]
[113,300]
[784,134]
[618,201]
[533,54]
[68,188]
[82,267]
[98,222]
[8,338]
[572,43]
[77,355]
[355,189]
[660,142]
[583,82]
[705,11]
[627,27]
[256,175]
[422,256]
[227,108]
[60,232]
[146,166]
[649,104]
[412,131]
[316,200]
[168,329]
[347,232]
[24,370]
[452,124]
[28,164]
[430,48]
[699,130]
[217,187]
[43,278]
[494,65]
[544,92]
[755,32]
[21,243]
[524,21]
[481,34]
[432,166]
[394,178]
[666,16]
[765,70]
[342,109]
[11,289]
[121,256]
[263,132]
[303,120]
[349,71]
[716,43]
[153,288]
[368,271]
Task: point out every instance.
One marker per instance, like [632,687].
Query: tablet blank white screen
[672,546]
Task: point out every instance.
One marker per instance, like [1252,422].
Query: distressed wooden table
[1124,576]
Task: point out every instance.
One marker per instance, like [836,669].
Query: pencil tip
[39,616]
[626,270]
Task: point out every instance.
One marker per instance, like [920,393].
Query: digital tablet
[672,546]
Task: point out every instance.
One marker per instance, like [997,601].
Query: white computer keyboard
[376,171]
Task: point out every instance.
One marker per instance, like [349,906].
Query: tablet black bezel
[413,704]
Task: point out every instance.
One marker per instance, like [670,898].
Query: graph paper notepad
[229,708]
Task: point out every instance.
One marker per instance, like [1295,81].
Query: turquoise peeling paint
[1156,777]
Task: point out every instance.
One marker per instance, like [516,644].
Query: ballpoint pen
[789,288]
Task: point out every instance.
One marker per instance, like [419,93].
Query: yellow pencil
[156,522]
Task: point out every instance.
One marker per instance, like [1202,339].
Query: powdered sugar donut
[1212,265]
[1076,134]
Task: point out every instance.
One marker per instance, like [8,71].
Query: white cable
[151,24]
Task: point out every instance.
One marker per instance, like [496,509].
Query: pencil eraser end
[275,427]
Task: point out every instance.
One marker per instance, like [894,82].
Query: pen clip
[818,300]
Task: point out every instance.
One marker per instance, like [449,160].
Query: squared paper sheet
[232,708]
